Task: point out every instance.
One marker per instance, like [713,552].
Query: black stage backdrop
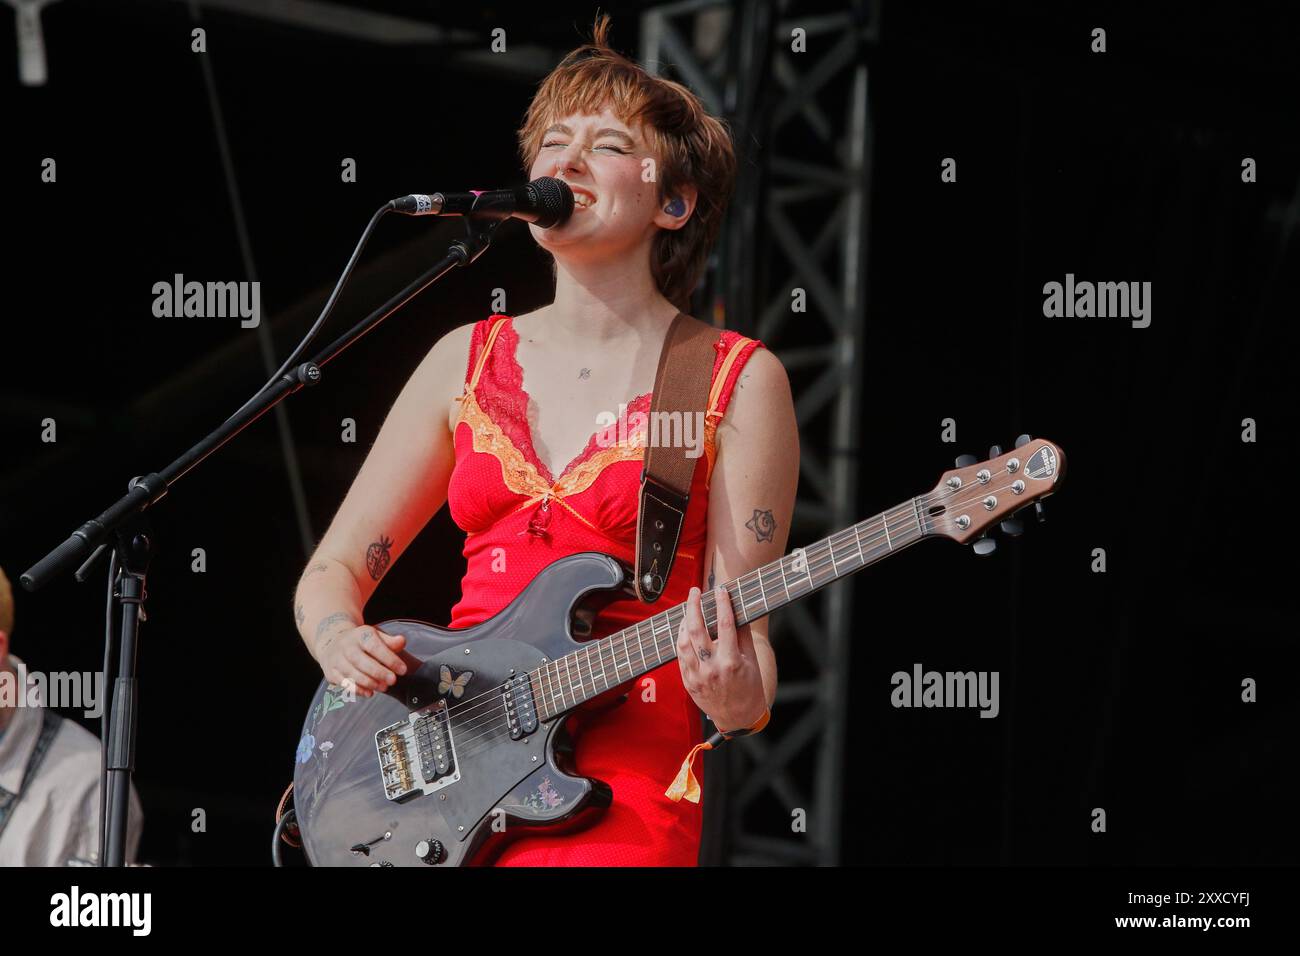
[1119,690]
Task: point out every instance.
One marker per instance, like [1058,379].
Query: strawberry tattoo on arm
[379,556]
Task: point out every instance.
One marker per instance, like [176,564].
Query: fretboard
[562,684]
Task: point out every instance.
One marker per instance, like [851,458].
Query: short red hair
[690,146]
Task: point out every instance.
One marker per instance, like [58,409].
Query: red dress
[517,519]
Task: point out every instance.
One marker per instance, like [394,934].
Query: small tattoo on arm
[762,524]
[315,569]
[712,564]
[378,557]
[584,373]
[338,617]
[299,614]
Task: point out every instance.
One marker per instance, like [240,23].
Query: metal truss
[798,221]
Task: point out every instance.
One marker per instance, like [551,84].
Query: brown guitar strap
[681,395]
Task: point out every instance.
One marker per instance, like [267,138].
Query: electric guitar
[418,774]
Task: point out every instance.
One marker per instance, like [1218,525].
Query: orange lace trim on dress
[522,477]
[517,472]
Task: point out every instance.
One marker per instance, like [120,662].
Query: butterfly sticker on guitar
[455,685]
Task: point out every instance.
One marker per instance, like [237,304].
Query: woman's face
[616,207]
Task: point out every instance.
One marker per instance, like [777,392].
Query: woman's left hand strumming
[721,675]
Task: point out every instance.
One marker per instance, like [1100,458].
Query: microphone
[545,202]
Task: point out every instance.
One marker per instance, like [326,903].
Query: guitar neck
[593,669]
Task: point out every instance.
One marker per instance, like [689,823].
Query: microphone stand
[124,528]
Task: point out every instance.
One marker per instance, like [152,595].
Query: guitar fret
[641,647]
[600,657]
[613,660]
[654,641]
[578,657]
[627,653]
[557,688]
[654,636]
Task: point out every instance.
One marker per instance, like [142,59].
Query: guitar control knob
[1013,527]
[430,851]
[995,450]
[1022,439]
[985,546]
[965,461]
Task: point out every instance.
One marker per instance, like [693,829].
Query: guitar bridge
[416,755]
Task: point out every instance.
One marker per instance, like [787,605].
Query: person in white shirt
[49,772]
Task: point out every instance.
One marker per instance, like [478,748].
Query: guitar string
[494,715]
[488,730]
[883,519]
[744,591]
[747,590]
[501,722]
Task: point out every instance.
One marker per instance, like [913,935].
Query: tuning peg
[1040,511]
[985,545]
[995,450]
[1013,527]
[965,461]
[1023,439]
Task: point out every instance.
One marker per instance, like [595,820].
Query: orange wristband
[685,784]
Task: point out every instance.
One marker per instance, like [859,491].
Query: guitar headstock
[975,496]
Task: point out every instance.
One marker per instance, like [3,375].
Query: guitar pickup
[521,710]
[416,754]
